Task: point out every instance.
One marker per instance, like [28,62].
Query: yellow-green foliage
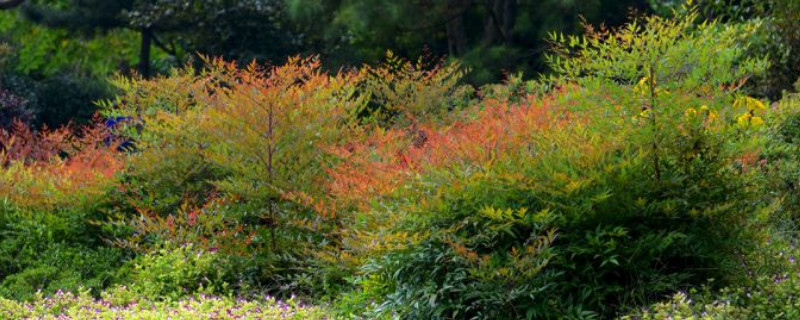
[680,307]
[121,303]
[684,79]
[170,273]
[405,92]
[253,133]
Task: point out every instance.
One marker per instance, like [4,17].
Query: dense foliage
[647,177]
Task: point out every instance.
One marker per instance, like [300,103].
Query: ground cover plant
[122,305]
[640,180]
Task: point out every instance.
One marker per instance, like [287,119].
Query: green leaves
[680,54]
[46,51]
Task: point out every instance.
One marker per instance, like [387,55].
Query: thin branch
[169,50]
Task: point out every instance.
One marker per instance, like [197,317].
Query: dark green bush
[16,100]
[61,267]
[54,101]
[769,293]
[67,97]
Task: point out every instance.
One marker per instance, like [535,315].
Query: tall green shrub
[638,174]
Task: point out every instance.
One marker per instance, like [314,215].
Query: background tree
[10,4]
[778,36]
[61,51]
[491,36]
[241,29]
[57,72]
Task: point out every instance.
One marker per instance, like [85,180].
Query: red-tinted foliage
[388,159]
[23,144]
[49,167]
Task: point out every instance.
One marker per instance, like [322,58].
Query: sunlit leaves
[55,167]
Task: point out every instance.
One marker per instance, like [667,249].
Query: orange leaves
[53,167]
[748,160]
[326,209]
[372,167]
[388,159]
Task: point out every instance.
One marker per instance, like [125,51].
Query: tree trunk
[499,21]
[456,34]
[144,53]
[509,19]
[491,25]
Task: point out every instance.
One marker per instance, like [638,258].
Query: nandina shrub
[403,92]
[251,134]
[53,185]
[639,176]
[264,140]
[52,168]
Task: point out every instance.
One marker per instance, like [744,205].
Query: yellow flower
[643,87]
[644,115]
[748,119]
[755,104]
[750,103]
[744,119]
[710,115]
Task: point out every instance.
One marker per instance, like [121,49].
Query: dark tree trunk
[144,53]
[499,21]
[456,34]
[10,4]
[509,19]
[491,25]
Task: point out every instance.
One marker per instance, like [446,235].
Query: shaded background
[55,55]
